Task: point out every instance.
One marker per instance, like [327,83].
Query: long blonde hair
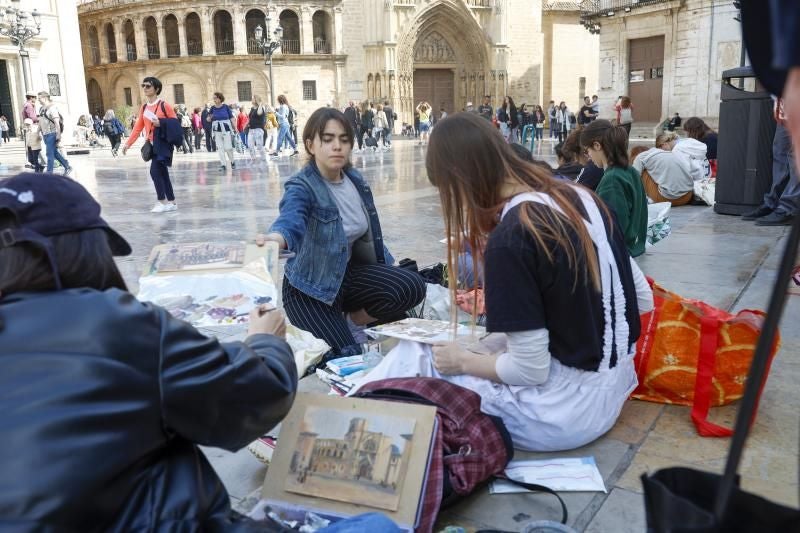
[469,162]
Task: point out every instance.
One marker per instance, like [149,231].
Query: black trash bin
[744,150]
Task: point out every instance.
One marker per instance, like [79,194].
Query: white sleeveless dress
[573,407]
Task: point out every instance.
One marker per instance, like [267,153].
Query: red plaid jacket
[470,447]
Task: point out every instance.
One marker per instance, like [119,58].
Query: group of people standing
[371,124]
[43,128]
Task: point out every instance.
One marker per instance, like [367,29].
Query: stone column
[162,40]
[338,31]
[239,32]
[184,46]
[306,31]
[141,39]
[209,48]
[119,33]
[103,42]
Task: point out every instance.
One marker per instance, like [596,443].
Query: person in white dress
[558,282]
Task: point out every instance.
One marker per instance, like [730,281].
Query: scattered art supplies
[571,474]
[425,331]
[210,284]
[340,457]
[342,373]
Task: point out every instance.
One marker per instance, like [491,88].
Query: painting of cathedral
[356,457]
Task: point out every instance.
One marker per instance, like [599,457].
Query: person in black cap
[106,398]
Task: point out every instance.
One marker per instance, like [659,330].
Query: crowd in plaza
[107,398]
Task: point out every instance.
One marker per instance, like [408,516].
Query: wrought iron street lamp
[21,26]
[269,42]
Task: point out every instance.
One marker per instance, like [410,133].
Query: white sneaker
[159,208]
[171,207]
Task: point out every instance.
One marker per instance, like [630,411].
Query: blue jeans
[539,133]
[784,195]
[284,135]
[372,522]
[53,153]
[387,137]
[243,137]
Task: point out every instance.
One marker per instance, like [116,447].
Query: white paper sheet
[571,474]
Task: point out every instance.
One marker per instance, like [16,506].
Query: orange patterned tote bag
[690,353]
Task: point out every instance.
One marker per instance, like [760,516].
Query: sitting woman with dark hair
[621,187]
[697,129]
[574,165]
[105,398]
[341,267]
[559,283]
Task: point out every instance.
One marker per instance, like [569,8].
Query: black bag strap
[758,370]
[541,488]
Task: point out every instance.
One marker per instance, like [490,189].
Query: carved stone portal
[434,48]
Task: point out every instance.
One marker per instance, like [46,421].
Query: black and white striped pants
[385,292]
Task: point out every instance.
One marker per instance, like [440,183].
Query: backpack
[108,127]
[186,122]
[291,116]
[43,113]
[469,447]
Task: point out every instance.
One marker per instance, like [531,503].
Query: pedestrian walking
[243,124]
[4,127]
[51,124]
[33,144]
[223,128]
[186,127]
[272,130]
[551,115]
[197,127]
[257,121]
[563,122]
[284,128]
[211,146]
[353,116]
[624,109]
[485,109]
[379,125]
[113,129]
[424,110]
[538,120]
[149,119]
[391,116]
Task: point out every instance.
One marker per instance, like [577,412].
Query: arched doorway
[291,32]
[94,45]
[130,40]
[194,35]
[441,55]
[321,26]
[171,36]
[253,18]
[111,41]
[223,32]
[95,97]
[151,35]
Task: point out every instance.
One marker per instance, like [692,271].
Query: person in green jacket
[621,187]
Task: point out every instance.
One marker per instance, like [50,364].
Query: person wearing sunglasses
[150,114]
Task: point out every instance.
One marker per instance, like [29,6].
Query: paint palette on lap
[424,331]
[346,456]
[210,284]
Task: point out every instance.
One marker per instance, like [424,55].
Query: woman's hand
[156,123]
[448,358]
[124,149]
[265,318]
[262,239]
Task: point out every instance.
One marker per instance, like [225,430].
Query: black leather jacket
[103,400]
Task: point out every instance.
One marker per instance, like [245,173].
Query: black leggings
[385,292]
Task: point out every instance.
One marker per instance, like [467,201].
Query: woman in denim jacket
[341,267]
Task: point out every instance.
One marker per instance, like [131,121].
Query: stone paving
[722,260]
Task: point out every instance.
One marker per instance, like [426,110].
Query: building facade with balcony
[447,52]
[668,55]
[55,64]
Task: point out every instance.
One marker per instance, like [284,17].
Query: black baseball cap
[45,205]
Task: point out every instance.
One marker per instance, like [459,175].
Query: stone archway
[444,51]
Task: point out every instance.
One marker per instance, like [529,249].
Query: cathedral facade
[447,52]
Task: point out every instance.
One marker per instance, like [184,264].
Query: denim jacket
[310,223]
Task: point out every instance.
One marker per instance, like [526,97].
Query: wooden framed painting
[347,456]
